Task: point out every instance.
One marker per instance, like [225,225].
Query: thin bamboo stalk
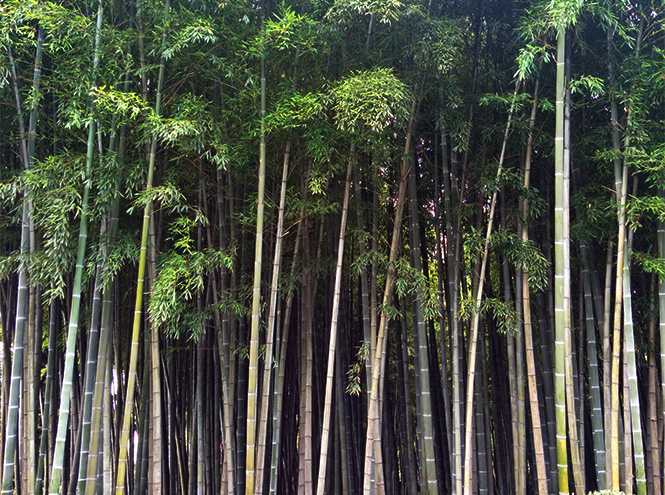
[270,336]
[138,304]
[475,319]
[325,429]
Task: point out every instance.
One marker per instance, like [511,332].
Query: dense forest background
[343,246]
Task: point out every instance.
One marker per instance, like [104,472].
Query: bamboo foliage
[375,358]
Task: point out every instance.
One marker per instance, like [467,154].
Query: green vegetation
[332,246]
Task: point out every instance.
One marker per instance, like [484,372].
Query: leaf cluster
[368,101]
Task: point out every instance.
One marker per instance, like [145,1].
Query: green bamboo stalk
[534,405]
[373,436]
[475,319]
[280,373]
[594,380]
[625,426]
[483,432]
[364,284]
[11,429]
[138,304]
[576,438]
[27,151]
[440,271]
[425,426]
[272,312]
[410,476]
[521,389]
[98,397]
[661,309]
[253,385]
[452,262]
[561,277]
[325,429]
[90,375]
[34,334]
[305,454]
[629,343]
[99,390]
[342,427]
[46,412]
[22,309]
[72,331]
[222,322]
[155,480]
[607,366]
[654,463]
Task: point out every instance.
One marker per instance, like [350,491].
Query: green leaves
[385,11]
[523,255]
[502,312]
[125,106]
[369,101]
[181,276]
[564,13]
[200,31]
[592,85]
[293,111]
[526,60]
[354,374]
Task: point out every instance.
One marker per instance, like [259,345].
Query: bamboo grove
[332,246]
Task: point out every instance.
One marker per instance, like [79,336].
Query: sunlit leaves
[287,30]
[369,101]
[119,104]
[55,184]
[385,11]
[594,86]
[294,111]
[564,12]
[167,195]
[181,277]
[637,207]
[200,31]
[527,57]
[649,264]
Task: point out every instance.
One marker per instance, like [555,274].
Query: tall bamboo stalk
[325,429]
[72,331]
[561,277]
[272,316]
[661,310]
[576,438]
[138,303]
[475,319]
[594,381]
[24,299]
[11,432]
[373,436]
[424,396]
[253,385]
[629,343]
[534,403]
